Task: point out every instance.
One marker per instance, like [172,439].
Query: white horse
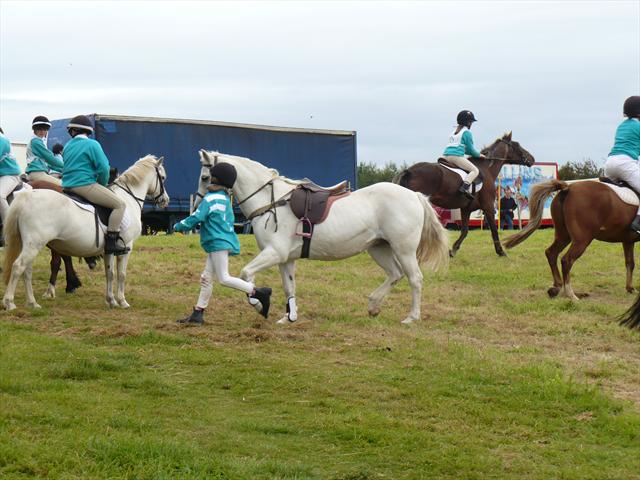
[45,217]
[398,228]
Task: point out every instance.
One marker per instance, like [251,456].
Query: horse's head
[509,150]
[206,162]
[157,193]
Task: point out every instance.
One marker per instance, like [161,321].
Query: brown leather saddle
[310,203]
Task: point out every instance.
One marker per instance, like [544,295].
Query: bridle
[140,201]
[510,145]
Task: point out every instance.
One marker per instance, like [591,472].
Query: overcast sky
[556,73]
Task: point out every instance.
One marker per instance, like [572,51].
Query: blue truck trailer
[325,156]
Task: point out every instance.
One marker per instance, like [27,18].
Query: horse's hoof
[452,253]
[408,321]
[8,305]
[285,321]
[553,292]
[582,295]
[123,304]
[111,303]
[374,312]
[70,290]
[630,289]
[502,254]
[50,293]
[33,305]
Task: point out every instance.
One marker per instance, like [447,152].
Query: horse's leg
[406,257]
[73,282]
[560,242]
[464,216]
[122,261]
[383,256]
[28,285]
[576,249]
[109,263]
[24,260]
[489,215]
[53,277]
[288,274]
[265,259]
[629,263]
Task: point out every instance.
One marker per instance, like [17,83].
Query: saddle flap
[102,212]
[478,180]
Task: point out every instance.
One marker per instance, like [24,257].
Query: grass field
[496,381]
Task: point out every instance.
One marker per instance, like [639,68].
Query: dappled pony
[398,228]
[442,185]
[44,217]
[582,212]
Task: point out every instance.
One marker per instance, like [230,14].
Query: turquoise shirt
[461,143]
[39,157]
[58,169]
[8,164]
[627,140]
[84,163]
[215,215]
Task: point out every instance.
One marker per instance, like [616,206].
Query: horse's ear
[507,136]
[204,157]
[160,160]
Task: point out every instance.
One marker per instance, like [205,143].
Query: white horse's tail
[11,231]
[433,249]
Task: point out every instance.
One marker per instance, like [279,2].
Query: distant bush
[369,173]
[587,168]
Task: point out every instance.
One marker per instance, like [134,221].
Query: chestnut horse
[582,212]
[441,184]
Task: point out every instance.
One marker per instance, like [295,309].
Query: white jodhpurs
[622,167]
[217,267]
[7,184]
[464,164]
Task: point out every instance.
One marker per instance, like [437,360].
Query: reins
[140,201]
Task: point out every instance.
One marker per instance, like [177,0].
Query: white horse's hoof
[112,303]
[33,305]
[123,304]
[408,321]
[374,312]
[9,305]
[50,293]
[285,321]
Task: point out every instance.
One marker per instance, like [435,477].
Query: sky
[556,73]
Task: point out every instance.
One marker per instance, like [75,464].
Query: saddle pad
[126,219]
[626,194]
[462,174]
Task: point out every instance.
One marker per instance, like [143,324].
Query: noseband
[140,201]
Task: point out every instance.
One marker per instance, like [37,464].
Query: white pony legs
[22,265]
[122,262]
[109,265]
[119,263]
[288,275]
[383,256]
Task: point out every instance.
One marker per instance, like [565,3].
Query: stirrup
[305,221]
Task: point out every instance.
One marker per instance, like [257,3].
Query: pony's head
[510,150]
[148,171]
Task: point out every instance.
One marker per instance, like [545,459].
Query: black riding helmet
[631,107]
[81,124]
[466,118]
[223,174]
[41,122]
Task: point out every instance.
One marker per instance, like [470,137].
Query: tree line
[370,173]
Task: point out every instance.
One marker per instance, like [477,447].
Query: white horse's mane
[134,175]
[272,171]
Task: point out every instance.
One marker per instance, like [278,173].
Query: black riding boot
[261,300]
[114,244]
[196,317]
[464,189]
[635,225]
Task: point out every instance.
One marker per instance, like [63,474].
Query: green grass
[496,381]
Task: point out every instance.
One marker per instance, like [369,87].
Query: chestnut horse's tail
[631,318]
[402,178]
[539,194]
[11,230]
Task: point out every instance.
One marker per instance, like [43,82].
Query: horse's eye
[205,178]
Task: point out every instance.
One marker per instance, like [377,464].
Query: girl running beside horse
[218,239]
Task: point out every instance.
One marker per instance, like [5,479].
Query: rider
[9,173]
[40,160]
[86,172]
[622,162]
[218,239]
[461,143]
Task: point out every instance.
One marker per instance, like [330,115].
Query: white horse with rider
[38,218]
